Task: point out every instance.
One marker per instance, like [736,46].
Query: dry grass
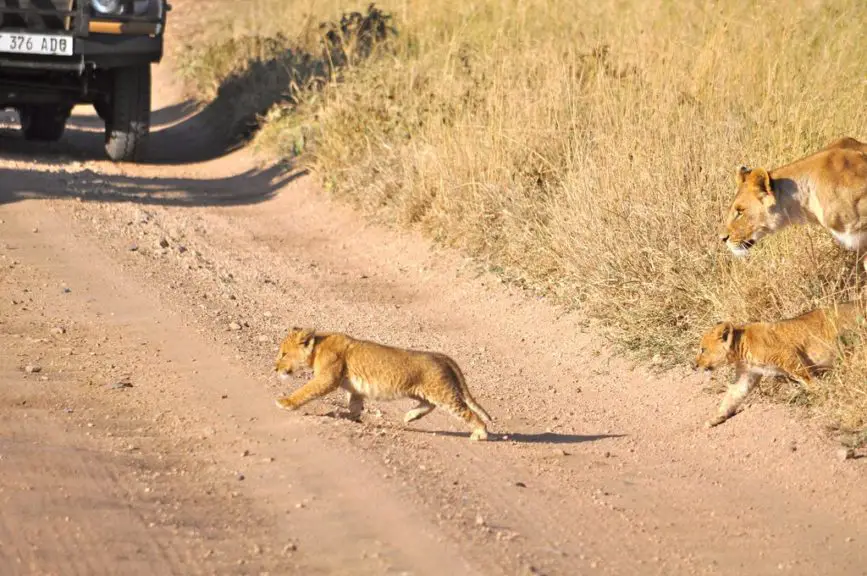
[588,149]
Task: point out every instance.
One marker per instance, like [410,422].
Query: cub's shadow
[523,438]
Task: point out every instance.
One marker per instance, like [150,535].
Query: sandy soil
[148,301]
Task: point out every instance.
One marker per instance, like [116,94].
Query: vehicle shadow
[182,133]
[249,187]
[159,118]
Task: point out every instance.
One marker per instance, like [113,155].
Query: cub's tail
[468,398]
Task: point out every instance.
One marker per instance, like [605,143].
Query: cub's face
[753,214]
[715,346]
[295,352]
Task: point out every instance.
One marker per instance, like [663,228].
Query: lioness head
[715,346]
[753,213]
[295,351]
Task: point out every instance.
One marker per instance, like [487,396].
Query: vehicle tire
[128,118]
[43,122]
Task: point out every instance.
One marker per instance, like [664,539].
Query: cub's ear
[305,336]
[742,173]
[761,177]
[727,333]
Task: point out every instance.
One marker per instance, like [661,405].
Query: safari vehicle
[55,54]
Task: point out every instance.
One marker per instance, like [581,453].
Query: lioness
[796,348]
[370,370]
[828,187]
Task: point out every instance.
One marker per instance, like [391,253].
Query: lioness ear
[742,174]
[764,180]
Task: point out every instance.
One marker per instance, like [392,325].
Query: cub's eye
[701,351]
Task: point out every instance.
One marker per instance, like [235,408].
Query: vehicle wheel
[128,118]
[103,110]
[44,123]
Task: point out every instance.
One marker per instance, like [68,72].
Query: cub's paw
[284,403]
[479,435]
[715,421]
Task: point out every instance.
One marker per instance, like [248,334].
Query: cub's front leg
[323,383]
[734,397]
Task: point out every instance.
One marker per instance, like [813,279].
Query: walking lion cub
[370,370]
[797,348]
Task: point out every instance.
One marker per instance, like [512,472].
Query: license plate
[43,44]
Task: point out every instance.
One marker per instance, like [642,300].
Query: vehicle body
[55,54]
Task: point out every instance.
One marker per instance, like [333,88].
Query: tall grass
[588,149]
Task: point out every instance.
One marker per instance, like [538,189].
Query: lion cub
[370,370]
[796,348]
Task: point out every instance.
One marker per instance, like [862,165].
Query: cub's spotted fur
[370,370]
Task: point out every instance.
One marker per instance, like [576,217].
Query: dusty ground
[136,274]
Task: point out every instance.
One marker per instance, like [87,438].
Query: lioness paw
[479,435]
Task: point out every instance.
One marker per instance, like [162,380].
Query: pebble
[234,326]
[67,290]
[32,369]
[58,330]
[289,548]
[240,477]
[245,453]
[480,520]
[263,338]
[182,249]
[133,247]
[121,384]
[164,243]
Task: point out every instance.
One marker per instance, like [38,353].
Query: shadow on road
[249,187]
[183,133]
[541,438]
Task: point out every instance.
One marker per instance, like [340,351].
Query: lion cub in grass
[796,348]
[370,370]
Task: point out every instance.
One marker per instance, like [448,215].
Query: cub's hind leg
[458,407]
[422,409]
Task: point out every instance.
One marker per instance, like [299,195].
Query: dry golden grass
[588,149]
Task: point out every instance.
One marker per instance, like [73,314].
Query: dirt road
[147,302]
